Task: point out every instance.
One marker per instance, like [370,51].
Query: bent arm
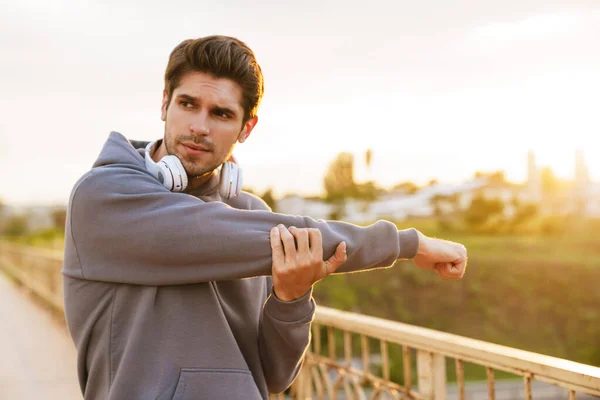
[283,338]
[123,226]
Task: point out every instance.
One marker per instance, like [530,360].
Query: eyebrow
[194,100]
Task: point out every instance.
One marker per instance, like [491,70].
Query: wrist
[285,297]
[290,311]
[422,248]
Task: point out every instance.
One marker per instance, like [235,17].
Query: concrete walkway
[37,357]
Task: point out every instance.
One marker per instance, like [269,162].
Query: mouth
[195,149]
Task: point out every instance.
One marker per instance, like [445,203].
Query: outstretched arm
[123,226]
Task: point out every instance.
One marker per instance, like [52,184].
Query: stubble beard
[192,168]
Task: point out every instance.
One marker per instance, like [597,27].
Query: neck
[195,182]
[157,153]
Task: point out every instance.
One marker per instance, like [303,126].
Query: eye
[222,114]
[186,104]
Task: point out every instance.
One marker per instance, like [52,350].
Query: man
[191,295]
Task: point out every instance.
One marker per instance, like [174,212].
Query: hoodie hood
[119,151]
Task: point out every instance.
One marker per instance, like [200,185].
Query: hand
[449,259]
[295,270]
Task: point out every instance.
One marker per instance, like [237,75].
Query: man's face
[203,121]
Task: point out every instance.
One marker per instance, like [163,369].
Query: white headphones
[170,172]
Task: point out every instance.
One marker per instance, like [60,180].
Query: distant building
[296,205]
[582,197]
[579,197]
[534,186]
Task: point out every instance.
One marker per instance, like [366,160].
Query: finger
[301,236]
[316,243]
[289,247]
[337,259]
[440,268]
[460,268]
[276,248]
[449,271]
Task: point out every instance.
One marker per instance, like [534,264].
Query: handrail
[568,374]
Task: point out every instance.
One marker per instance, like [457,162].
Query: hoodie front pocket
[211,384]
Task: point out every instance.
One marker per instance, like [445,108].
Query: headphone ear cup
[240,180]
[175,173]
[163,174]
[230,184]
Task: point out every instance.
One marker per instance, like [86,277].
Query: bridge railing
[349,355]
[36,269]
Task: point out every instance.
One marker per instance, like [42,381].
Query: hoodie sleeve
[123,226]
[283,338]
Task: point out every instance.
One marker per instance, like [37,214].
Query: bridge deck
[37,357]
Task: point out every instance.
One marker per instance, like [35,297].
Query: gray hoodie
[168,295]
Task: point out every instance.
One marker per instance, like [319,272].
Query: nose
[199,124]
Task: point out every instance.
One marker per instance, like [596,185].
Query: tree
[482,210]
[269,199]
[339,180]
[368,191]
[549,182]
[59,217]
[16,226]
[368,161]
[525,213]
[493,177]
[368,158]
[407,187]
[498,177]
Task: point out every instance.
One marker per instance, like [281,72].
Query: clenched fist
[297,268]
[448,259]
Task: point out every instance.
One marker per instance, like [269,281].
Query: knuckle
[279,271]
[284,270]
[305,267]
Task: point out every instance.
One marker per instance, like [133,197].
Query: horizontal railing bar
[54,255]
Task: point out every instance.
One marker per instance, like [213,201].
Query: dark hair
[222,57]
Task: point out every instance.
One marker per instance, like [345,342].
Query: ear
[248,126]
[164,106]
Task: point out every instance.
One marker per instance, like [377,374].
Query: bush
[16,226]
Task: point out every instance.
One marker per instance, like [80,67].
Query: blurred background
[474,121]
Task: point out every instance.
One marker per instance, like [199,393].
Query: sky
[437,89]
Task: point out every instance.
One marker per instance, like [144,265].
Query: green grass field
[530,292]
